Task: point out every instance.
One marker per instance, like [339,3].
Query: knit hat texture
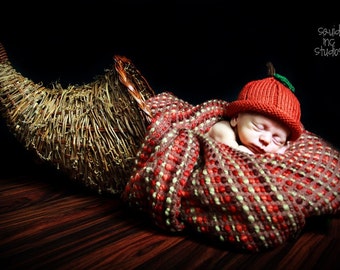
[270,97]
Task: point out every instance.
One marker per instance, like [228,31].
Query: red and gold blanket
[185,180]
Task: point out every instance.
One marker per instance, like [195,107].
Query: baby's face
[261,134]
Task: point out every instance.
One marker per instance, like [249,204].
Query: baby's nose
[265,138]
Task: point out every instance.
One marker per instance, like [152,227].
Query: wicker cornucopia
[90,131]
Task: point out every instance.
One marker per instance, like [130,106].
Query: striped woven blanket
[184,180]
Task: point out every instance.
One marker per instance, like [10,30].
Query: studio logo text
[328,41]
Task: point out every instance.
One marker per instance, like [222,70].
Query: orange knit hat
[273,97]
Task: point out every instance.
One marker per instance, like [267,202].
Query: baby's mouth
[256,149]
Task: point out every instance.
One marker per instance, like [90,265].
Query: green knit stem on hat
[284,81]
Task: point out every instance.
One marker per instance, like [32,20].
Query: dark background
[198,50]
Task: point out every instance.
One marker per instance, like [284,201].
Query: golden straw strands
[92,131]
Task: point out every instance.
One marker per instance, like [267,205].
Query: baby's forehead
[264,120]
[257,116]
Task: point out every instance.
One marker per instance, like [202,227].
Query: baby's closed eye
[279,140]
[258,126]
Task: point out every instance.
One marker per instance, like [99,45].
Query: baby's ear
[233,121]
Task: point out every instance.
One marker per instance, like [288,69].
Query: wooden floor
[49,222]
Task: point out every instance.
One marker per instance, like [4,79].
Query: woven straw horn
[91,131]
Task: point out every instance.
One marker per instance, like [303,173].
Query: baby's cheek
[282,149]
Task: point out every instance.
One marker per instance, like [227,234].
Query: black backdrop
[198,50]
